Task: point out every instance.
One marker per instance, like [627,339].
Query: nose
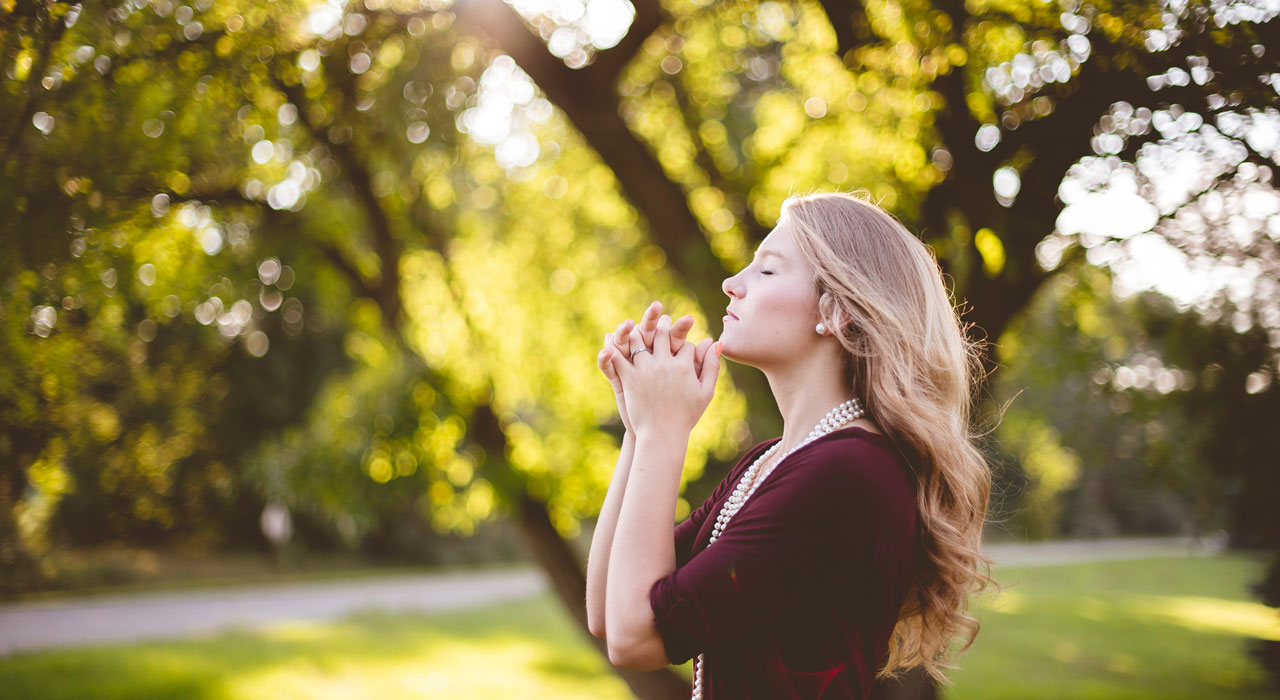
[729,287]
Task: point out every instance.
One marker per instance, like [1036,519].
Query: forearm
[602,538]
[643,544]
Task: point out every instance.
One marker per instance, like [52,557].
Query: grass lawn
[1154,628]
[1166,628]
[527,649]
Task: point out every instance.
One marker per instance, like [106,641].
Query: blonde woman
[847,548]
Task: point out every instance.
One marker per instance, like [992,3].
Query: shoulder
[852,462]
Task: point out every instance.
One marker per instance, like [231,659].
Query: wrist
[655,435]
[659,455]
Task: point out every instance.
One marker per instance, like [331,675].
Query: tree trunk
[570,583]
[554,555]
[589,99]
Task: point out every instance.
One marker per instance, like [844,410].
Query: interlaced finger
[636,343]
[662,334]
[679,331]
[699,353]
[622,338]
[605,360]
[649,323]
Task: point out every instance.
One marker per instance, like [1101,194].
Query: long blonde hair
[880,289]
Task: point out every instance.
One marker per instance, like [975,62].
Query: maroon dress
[799,595]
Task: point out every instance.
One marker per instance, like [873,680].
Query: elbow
[595,612]
[645,657]
[620,657]
[595,617]
[595,625]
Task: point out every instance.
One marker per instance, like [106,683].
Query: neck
[805,392]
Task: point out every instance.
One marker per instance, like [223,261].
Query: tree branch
[386,291]
[849,20]
[736,191]
[590,101]
[51,34]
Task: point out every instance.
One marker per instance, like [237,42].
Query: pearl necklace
[848,411]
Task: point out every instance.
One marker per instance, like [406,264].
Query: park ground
[1125,619]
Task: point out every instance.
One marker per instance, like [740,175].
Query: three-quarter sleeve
[809,509]
[686,533]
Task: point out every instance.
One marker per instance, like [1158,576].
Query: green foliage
[271,269]
[281,252]
[1119,416]
[752,97]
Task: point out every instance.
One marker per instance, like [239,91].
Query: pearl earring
[821,329]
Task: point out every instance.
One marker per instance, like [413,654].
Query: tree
[1122,414]
[968,117]
[953,101]
[353,145]
[444,279]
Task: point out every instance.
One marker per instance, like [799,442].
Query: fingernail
[718,349]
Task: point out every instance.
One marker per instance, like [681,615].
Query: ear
[823,313]
[834,317]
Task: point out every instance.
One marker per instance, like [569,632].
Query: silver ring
[637,351]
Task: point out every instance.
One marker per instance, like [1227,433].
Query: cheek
[789,309]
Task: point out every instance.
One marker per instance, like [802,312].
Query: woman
[846,549]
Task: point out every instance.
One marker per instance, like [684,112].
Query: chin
[729,351]
[760,357]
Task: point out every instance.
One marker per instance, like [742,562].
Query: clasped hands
[666,389]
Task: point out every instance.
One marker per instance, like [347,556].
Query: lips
[732,315]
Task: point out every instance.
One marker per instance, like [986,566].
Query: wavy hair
[908,355]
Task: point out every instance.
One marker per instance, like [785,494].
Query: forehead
[778,244]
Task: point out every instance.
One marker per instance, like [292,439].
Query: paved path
[137,616]
[1078,551]
[63,622]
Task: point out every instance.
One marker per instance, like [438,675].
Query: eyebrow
[761,254]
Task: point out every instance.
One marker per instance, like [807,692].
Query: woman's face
[773,306]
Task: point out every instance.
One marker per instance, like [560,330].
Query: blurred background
[313,289]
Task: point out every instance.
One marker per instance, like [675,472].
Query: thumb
[700,351]
[606,365]
[710,369]
[622,368]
